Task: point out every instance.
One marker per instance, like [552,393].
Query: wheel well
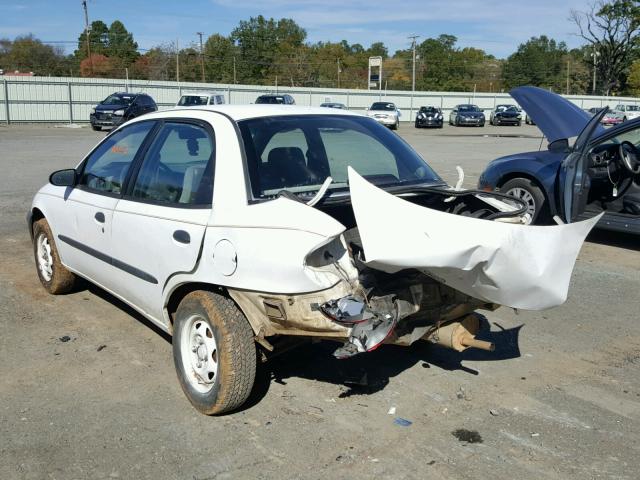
[511,176]
[183,290]
[36,214]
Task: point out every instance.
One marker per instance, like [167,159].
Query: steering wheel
[630,157]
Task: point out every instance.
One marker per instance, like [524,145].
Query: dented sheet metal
[527,267]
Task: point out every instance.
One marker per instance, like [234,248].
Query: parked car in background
[198,99]
[429,117]
[340,106]
[505,115]
[629,112]
[466,114]
[285,99]
[385,113]
[612,118]
[119,107]
[607,161]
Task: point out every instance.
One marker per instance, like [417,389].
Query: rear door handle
[181,236]
[99,217]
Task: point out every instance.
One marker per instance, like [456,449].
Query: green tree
[121,48]
[28,54]
[377,49]
[219,54]
[611,30]
[633,80]
[540,62]
[98,40]
[265,45]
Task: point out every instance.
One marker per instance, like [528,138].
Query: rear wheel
[527,191]
[55,278]
[97,128]
[214,352]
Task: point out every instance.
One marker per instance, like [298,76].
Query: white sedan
[232,226]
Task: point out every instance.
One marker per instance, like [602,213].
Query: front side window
[106,168]
[298,152]
[178,167]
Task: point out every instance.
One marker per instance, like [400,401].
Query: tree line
[265,51]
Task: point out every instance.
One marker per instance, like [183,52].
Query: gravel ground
[88,387]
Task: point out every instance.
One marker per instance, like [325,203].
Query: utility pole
[413,75]
[201,56]
[568,62]
[595,56]
[338,60]
[177,62]
[87,29]
[234,70]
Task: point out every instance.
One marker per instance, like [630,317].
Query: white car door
[159,225]
[83,227]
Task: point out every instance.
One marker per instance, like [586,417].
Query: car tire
[518,124]
[528,191]
[96,128]
[214,352]
[395,125]
[481,125]
[624,119]
[54,276]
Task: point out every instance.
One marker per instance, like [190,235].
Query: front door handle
[99,217]
[181,236]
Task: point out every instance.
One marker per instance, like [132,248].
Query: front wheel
[54,277]
[214,352]
[96,128]
[527,191]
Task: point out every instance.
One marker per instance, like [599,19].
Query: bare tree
[611,28]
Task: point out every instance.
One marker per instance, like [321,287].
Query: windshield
[468,108]
[190,100]
[298,152]
[428,110]
[118,100]
[270,99]
[383,106]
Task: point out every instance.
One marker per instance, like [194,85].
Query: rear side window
[106,168]
[178,167]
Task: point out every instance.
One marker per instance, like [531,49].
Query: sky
[496,26]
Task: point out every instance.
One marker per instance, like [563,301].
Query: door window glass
[107,167]
[178,167]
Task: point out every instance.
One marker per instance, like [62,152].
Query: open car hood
[557,117]
[518,266]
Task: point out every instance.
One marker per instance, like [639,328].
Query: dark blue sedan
[607,165]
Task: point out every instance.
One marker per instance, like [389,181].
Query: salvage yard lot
[89,390]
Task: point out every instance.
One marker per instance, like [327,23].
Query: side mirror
[63,178]
[454,111]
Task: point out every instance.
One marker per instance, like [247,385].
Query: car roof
[243,112]
[202,93]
